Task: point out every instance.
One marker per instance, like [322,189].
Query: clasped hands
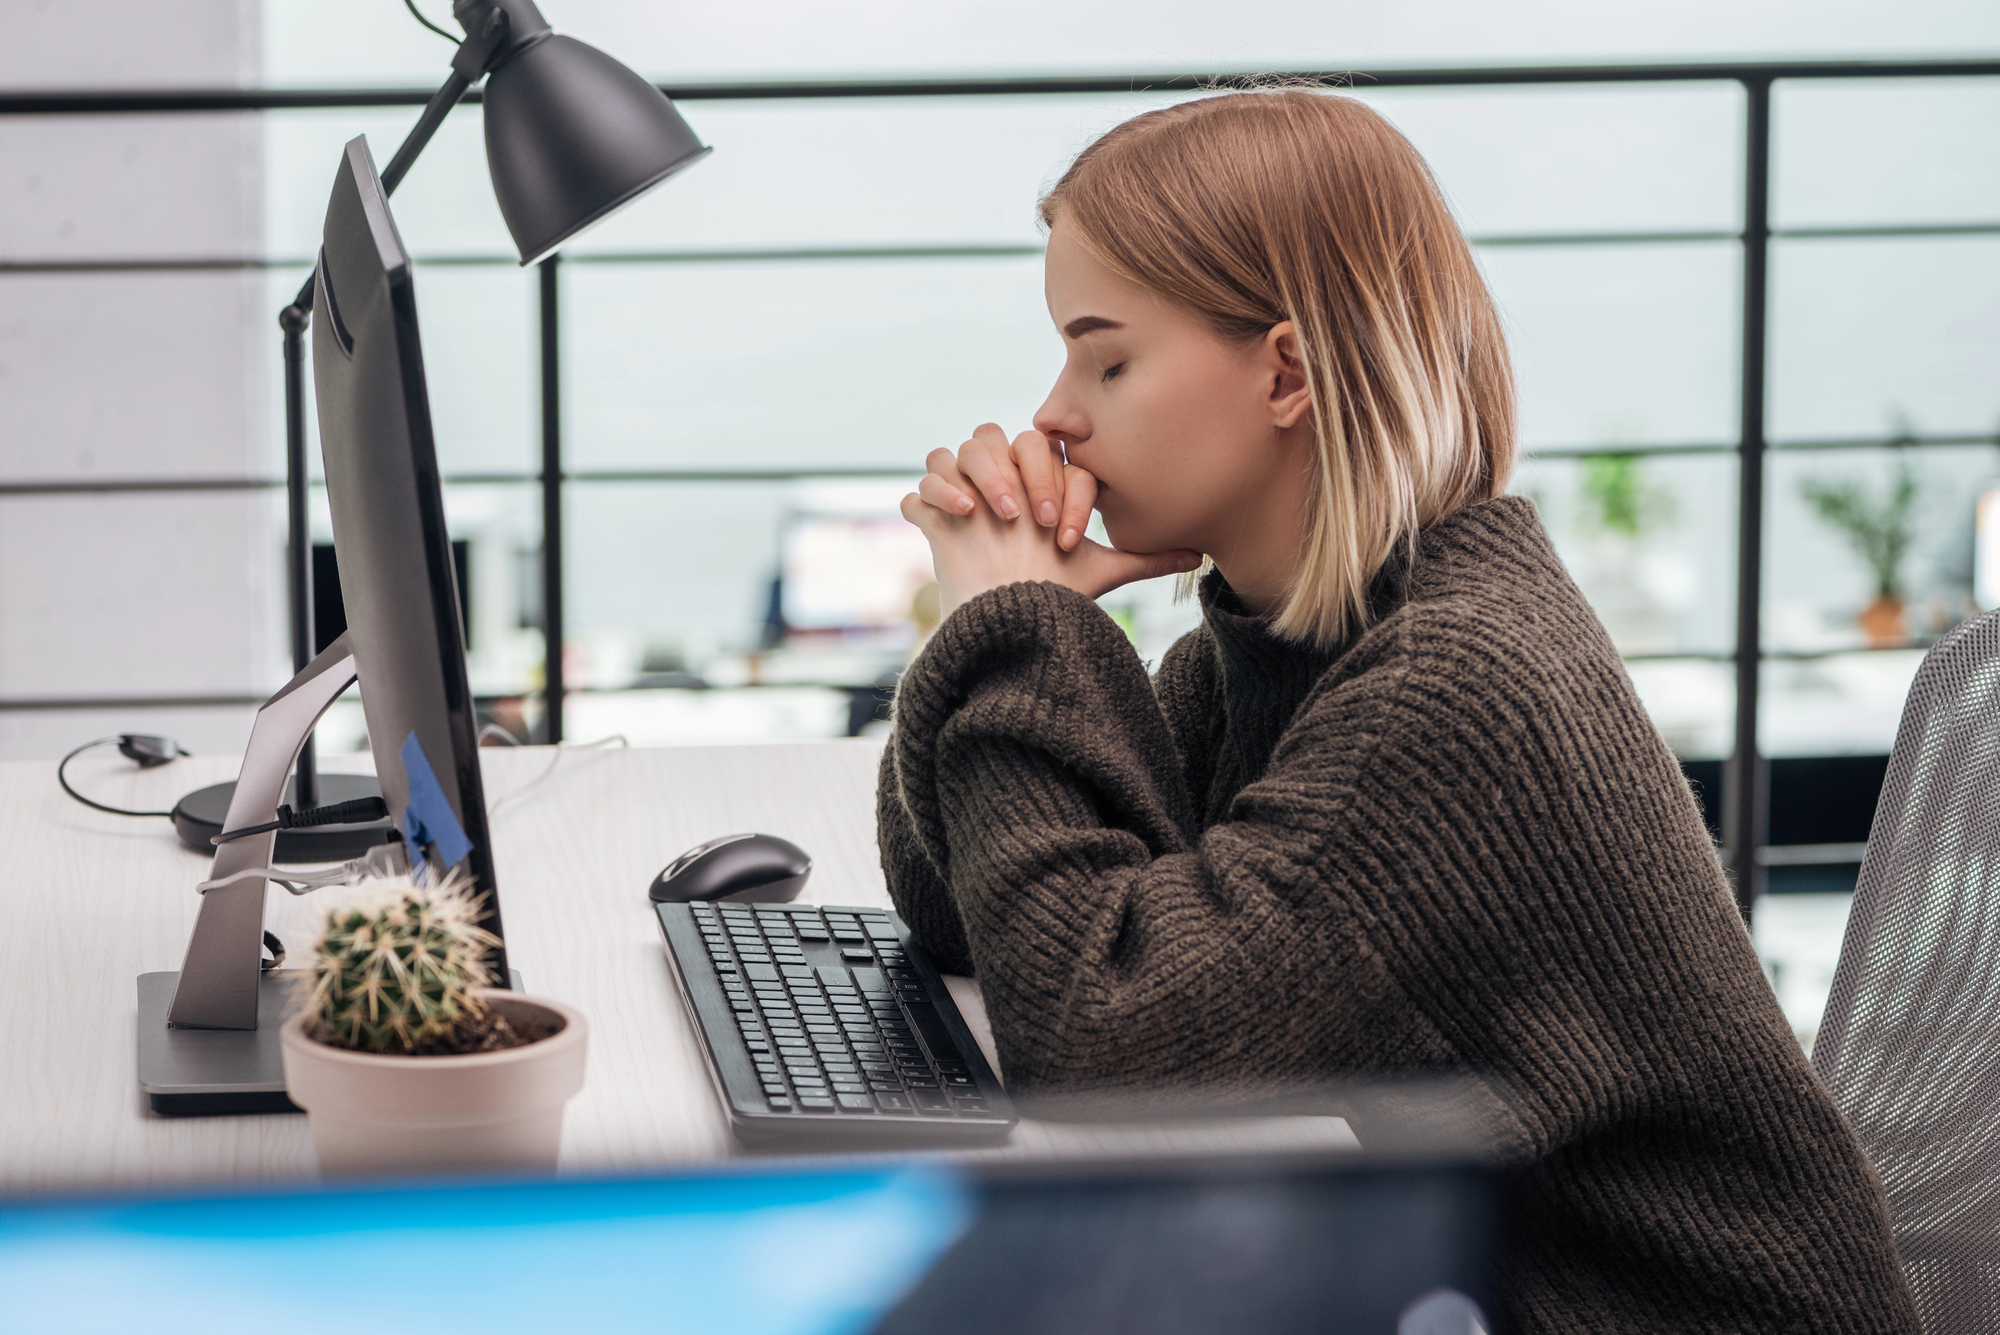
[999,513]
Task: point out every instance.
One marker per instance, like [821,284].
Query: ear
[1291,397]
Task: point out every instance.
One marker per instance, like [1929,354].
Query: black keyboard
[825,1024]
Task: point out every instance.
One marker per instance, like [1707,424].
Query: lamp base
[198,818]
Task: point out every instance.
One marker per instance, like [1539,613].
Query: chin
[1130,537]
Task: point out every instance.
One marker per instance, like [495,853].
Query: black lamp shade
[571,135]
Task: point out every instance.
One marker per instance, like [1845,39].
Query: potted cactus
[407,1060]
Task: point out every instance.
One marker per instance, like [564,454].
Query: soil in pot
[492,1030]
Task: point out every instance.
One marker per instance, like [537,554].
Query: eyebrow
[1088,324]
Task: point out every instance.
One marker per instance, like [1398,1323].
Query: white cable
[389,859]
[562,749]
[381,860]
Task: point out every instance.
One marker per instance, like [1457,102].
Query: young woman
[1394,808]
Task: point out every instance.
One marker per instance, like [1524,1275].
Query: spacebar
[931,1025]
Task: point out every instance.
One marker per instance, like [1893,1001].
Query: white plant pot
[376,1114]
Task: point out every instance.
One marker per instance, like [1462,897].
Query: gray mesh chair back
[1910,1046]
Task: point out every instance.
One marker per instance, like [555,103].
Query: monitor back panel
[389,535]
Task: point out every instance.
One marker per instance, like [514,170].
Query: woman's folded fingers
[942,495]
[1040,463]
[1079,494]
[988,462]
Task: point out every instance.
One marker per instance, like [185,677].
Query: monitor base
[219,1072]
[199,816]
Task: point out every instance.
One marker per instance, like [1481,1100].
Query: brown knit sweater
[1455,844]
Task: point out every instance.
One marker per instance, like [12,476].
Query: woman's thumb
[1118,568]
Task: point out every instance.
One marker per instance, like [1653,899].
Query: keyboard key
[958,1082]
[936,1037]
[850,1086]
[930,1100]
[815,1104]
[779,1102]
[855,1102]
[888,1102]
[760,973]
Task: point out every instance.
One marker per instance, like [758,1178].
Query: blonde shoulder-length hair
[1260,207]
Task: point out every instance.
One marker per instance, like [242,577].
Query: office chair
[1910,1045]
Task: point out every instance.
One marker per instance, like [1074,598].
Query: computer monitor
[208,1034]
[1295,1245]
[853,572]
[397,576]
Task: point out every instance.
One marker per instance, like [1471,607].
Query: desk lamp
[571,137]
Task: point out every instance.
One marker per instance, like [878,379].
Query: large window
[755,359]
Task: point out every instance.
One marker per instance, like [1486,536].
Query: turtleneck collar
[1265,678]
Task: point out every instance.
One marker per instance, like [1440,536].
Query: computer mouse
[742,868]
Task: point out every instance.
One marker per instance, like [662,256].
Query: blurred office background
[755,358]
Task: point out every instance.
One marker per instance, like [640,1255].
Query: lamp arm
[427,125]
[414,143]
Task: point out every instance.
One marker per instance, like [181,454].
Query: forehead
[1076,283]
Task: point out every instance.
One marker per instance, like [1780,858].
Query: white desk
[90,901]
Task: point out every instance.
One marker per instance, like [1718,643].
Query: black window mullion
[1746,782]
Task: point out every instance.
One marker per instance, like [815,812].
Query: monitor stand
[208,1035]
[219,1072]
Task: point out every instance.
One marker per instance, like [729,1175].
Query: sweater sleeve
[1116,949]
[915,888]
[1185,695]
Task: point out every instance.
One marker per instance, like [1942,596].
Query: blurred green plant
[1880,529]
[1618,497]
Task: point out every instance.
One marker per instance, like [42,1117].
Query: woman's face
[1186,433]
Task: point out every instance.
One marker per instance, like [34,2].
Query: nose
[1062,420]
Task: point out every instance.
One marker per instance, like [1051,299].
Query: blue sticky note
[428,821]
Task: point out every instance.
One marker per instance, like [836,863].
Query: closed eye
[1112,372]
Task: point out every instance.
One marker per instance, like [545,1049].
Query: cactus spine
[395,969]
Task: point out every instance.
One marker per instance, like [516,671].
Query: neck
[1260,554]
